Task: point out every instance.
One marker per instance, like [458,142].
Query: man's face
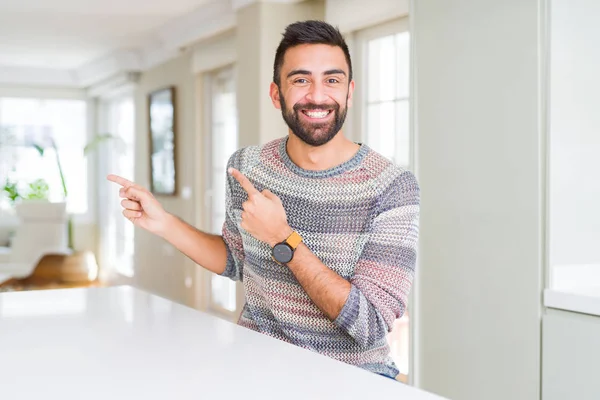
[315,94]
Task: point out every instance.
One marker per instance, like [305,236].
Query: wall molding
[355,16]
[166,43]
[238,4]
[42,77]
[207,21]
[101,69]
[114,85]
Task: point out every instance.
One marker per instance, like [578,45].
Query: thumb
[133,193]
[269,195]
[142,196]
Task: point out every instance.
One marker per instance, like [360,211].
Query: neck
[335,152]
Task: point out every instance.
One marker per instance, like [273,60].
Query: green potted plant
[11,190]
[34,202]
[38,190]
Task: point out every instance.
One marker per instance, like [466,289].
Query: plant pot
[42,229]
[41,210]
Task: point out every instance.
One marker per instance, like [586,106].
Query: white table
[122,343]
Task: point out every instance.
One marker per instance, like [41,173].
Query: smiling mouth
[316,114]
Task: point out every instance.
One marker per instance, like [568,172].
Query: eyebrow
[306,72]
[334,72]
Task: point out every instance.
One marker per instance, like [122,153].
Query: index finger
[119,180]
[245,182]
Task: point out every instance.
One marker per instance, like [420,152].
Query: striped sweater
[360,219]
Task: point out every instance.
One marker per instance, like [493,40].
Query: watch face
[282,253]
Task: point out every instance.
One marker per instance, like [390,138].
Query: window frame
[359,115]
[103,107]
[207,92]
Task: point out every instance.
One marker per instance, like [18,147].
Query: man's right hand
[140,206]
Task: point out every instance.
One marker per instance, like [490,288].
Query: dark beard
[307,133]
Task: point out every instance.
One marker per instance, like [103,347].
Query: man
[321,231]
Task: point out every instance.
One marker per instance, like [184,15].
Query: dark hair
[309,32]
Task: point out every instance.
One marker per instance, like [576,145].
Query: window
[384,108]
[28,121]
[222,143]
[382,65]
[117,117]
[573,225]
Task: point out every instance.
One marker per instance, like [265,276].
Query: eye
[333,80]
[301,81]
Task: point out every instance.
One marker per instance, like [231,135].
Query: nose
[317,93]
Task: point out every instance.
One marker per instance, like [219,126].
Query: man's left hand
[263,214]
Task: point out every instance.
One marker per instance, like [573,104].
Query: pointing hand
[263,216]
[140,206]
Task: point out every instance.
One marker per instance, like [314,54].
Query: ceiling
[67,34]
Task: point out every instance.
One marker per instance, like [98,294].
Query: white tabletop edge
[572,301]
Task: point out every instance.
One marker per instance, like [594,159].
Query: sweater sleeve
[384,273]
[231,234]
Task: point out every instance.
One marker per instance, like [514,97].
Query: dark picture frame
[162,127]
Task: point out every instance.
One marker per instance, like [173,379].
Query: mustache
[313,106]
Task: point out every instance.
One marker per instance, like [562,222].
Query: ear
[274,94]
[350,93]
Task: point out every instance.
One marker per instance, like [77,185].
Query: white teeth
[317,114]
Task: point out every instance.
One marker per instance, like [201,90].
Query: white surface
[479,167]
[571,354]
[69,33]
[574,277]
[121,343]
[574,131]
[352,15]
[574,288]
[214,53]
[583,300]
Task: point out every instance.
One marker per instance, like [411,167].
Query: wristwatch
[283,252]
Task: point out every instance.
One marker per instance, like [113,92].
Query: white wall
[479,167]
[160,268]
[352,15]
[571,353]
[575,133]
[213,53]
